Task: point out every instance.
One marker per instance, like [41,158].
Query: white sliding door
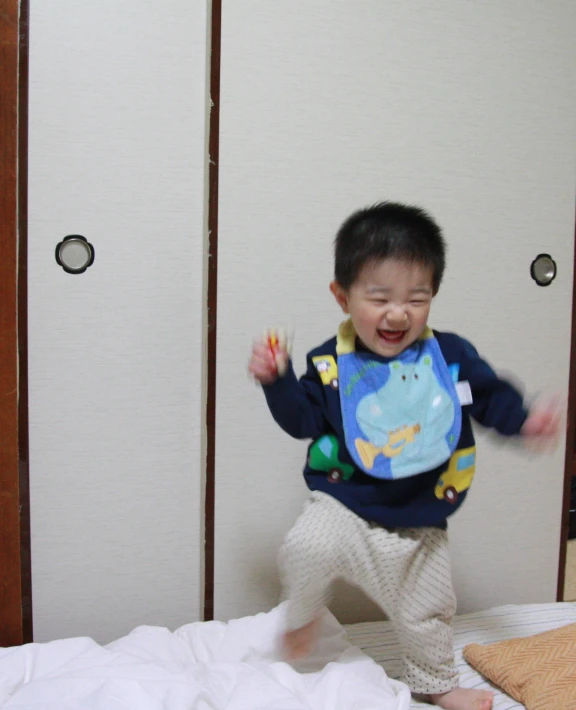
[117,141]
[466,108]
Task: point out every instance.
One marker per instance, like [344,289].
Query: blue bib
[402,416]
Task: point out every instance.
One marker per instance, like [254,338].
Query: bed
[378,641]
[237,666]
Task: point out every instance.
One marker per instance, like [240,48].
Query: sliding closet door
[117,136]
[463,107]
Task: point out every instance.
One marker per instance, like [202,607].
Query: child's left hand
[542,426]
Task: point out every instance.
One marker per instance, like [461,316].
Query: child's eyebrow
[383,289]
[377,289]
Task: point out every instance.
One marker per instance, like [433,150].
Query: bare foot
[464,699]
[300,642]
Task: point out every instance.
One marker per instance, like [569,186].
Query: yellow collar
[346,337]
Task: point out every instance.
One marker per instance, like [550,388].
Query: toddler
[388,404]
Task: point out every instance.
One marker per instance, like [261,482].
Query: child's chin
[387,351]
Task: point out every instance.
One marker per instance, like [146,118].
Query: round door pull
[74,254]
[543,269]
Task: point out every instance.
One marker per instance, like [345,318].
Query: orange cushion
[538,671]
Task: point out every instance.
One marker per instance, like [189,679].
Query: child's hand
[543,424]
[269,358]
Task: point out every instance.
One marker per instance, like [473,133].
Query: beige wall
[117,135]
[464,107]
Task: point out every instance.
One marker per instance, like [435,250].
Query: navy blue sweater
[310,409]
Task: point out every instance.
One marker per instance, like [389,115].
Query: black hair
[388,230]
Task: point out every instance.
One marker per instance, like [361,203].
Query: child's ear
[340,295]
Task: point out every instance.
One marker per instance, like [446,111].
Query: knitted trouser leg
[313,555]
[410,578]
[407,572]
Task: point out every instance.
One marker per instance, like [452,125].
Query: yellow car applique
[327,368]
[458,476]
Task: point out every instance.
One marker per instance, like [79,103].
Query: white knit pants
[405,571]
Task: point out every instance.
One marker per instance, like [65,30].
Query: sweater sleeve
[496,403]
[298,406]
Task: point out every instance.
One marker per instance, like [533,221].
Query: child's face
[389,304]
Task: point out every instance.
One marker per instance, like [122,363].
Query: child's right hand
[267,364]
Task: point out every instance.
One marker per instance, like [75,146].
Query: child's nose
[397,317]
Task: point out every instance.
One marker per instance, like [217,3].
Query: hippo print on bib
[401,417]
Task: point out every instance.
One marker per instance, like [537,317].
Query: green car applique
[323,456]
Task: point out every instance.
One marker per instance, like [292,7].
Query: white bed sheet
[378,640]
[202,666]
[236,666]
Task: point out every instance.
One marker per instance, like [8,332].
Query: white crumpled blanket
[201,666]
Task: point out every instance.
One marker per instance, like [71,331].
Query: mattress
[378,640]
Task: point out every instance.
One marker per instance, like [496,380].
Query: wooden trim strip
[23,416]
[212,275]
[15,582]
[569,470]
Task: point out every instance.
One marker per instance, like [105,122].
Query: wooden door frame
[15,563]
[570,461]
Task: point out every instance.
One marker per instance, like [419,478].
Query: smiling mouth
[392,336]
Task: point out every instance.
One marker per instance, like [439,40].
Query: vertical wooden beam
[15,580]
[570,461]
[212,275]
